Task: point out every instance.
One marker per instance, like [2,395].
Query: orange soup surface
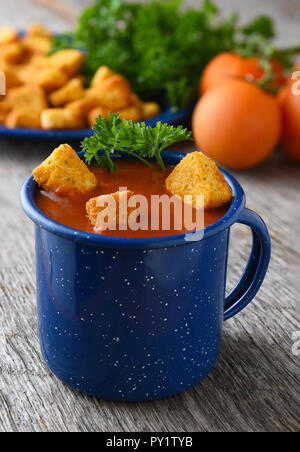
[137,177]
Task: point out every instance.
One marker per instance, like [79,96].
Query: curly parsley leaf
[136,139]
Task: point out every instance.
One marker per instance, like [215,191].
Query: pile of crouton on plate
[49,92]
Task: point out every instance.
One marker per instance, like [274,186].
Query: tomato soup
[135,176]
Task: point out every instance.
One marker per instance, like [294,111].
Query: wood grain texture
[254,386]
[59,8]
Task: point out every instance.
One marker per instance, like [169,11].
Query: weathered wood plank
[254,386]
[59,8]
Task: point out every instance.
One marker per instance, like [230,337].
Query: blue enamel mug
[135,319]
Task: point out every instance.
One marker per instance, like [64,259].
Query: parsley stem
[267,78]
[141,159]
[287,51]
[160,160]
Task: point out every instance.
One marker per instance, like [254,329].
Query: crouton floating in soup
[64,172]
[109,206]
[197,174]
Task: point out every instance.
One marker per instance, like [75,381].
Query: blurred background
[286,14]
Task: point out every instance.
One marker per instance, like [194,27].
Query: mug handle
[257,266]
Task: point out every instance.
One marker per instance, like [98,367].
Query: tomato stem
[287,51]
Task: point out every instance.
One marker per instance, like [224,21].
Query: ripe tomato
[229,65]
[289,100]
[237,124]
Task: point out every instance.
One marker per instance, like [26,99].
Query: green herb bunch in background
[159,44]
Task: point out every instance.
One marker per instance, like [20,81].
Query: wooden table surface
[255,385]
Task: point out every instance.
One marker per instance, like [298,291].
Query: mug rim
[27,198]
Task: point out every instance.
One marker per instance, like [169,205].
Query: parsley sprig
[135,139]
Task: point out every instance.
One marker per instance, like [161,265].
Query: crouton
[38,61]
[81,78]
[197,174]
[73,90]
[82,107]
[50,79]
[64,173]
[131,113]
[150,109]
[38,30]
[25,73]
[23,118]
[28,72]
[3,116]
[61,118]
[103,73]
[135,100]
[39,45]
[113,93]
[12,53]
[5,109]
[8,35]
[28,97]
[11,75]
[117,210]
[69,60]
[93,114]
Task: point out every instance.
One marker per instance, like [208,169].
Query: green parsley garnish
[135,139]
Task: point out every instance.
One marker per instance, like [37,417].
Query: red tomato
[237,124]
[289,100]
[230,66]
